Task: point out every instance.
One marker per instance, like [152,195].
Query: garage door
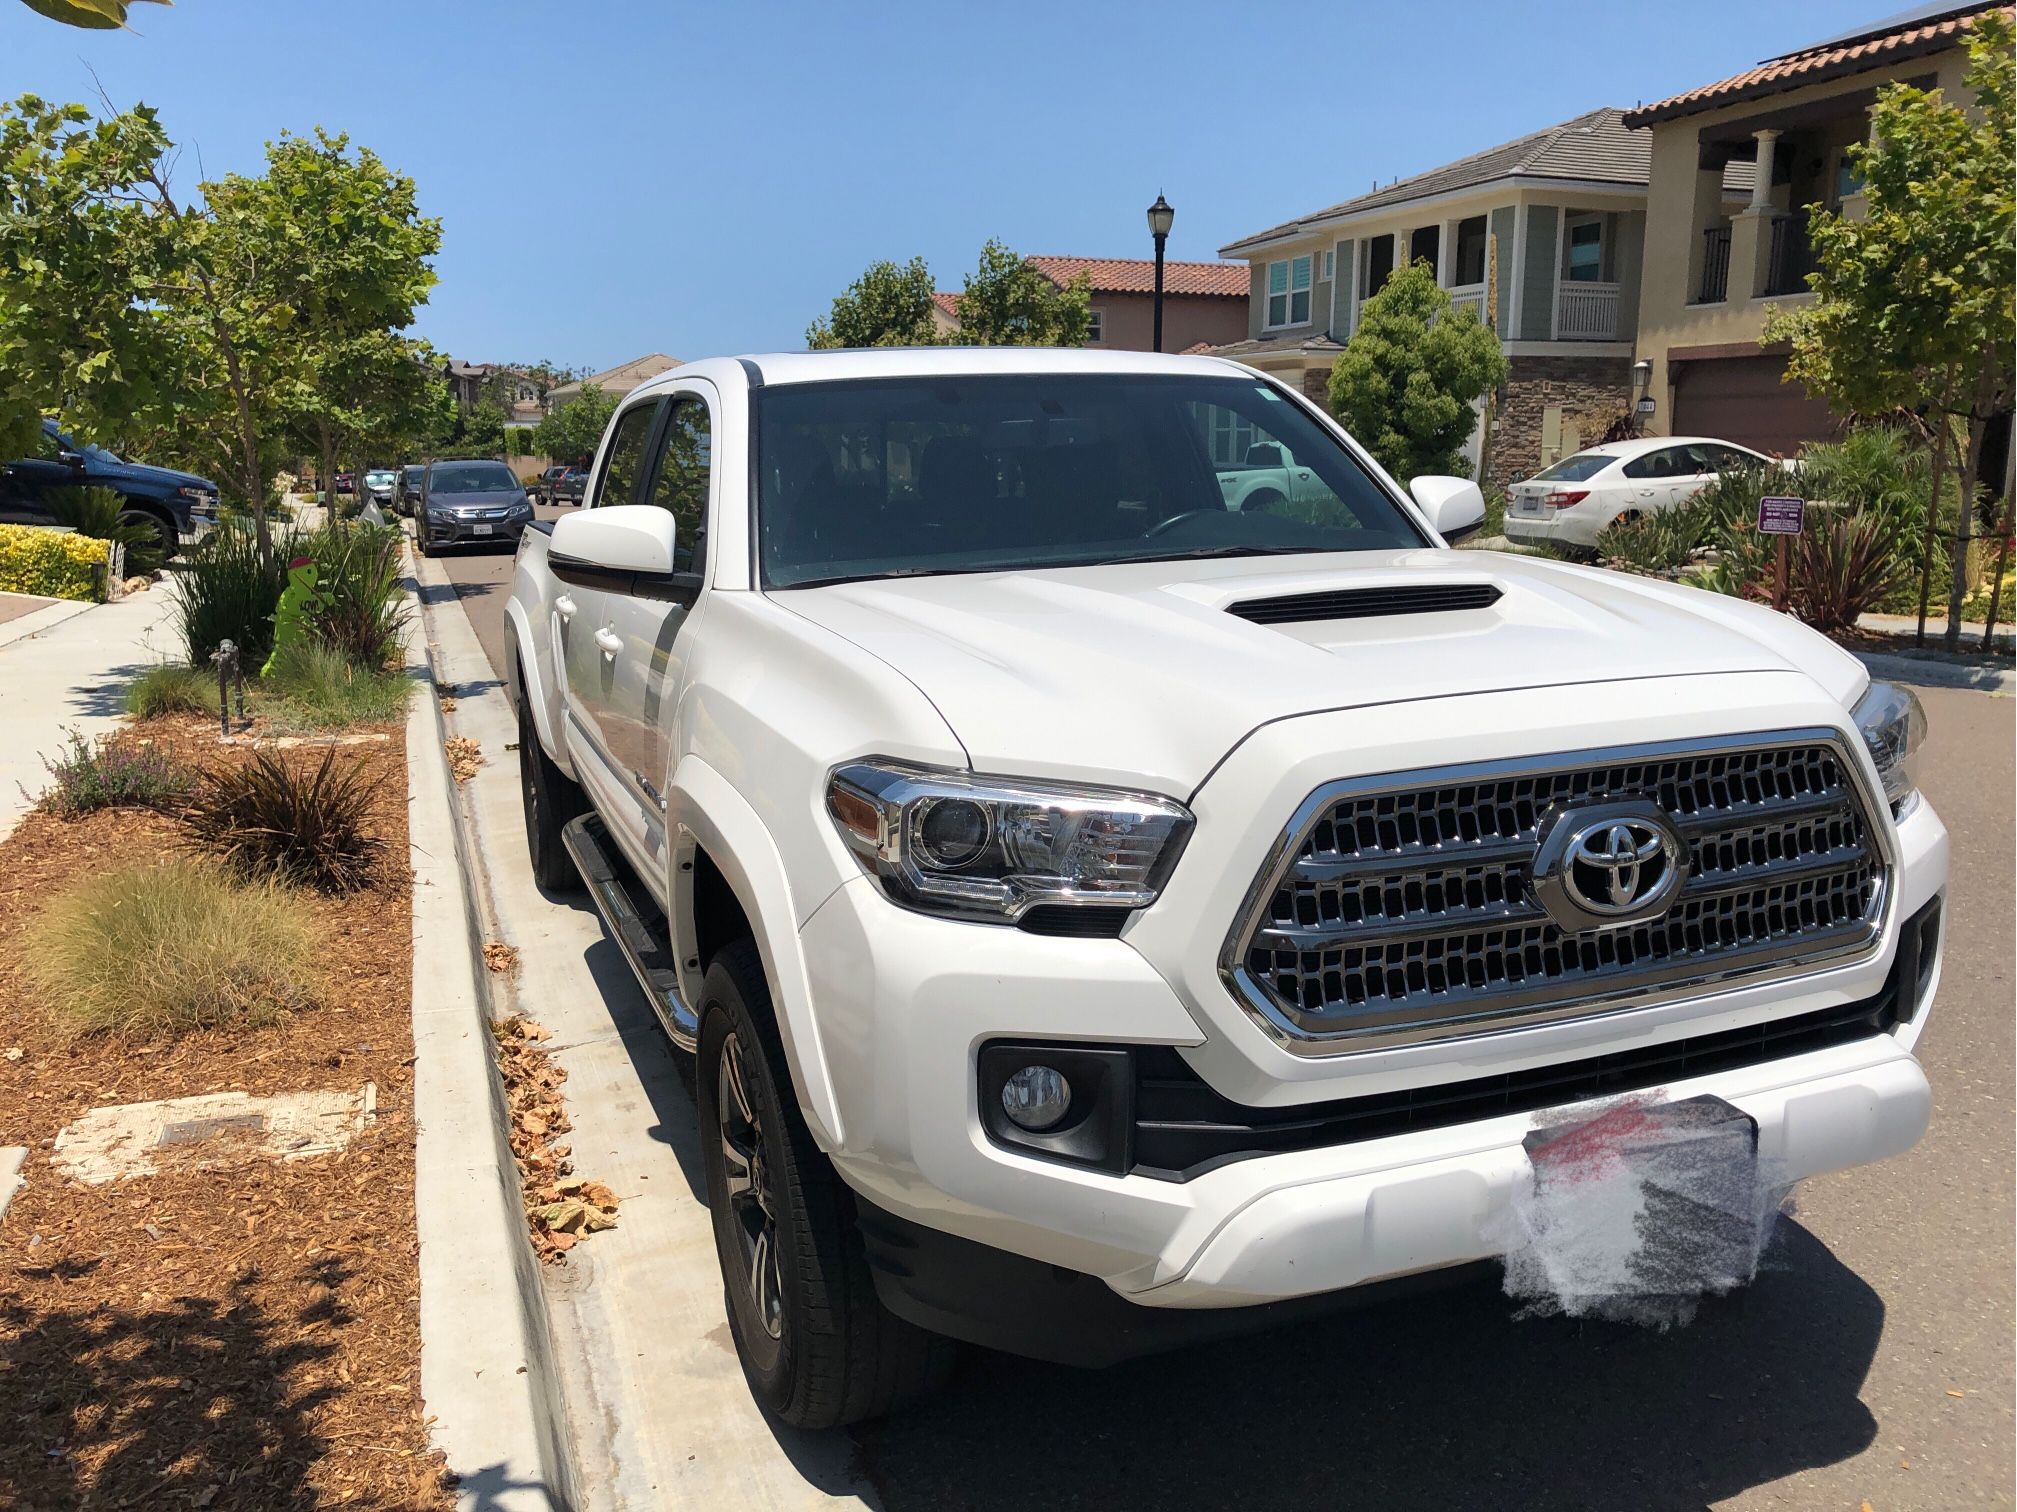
[1743,399]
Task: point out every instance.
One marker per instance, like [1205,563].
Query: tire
[164,530]
[426,541]
[818,1348]
[1264,502]
[551,800]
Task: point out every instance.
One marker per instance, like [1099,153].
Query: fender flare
[706,809]
[528,678]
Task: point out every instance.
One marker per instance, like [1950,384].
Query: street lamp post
[1160,217]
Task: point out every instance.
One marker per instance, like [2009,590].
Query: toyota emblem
[1603,865]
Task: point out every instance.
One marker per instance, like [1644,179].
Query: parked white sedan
[1578,498]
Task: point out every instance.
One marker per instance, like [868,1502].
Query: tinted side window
[1655,464]
[618,484]
[680,484]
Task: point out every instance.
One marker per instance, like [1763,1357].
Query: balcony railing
[1586,311]
[1468,296]
[1791,258]
[1715,285]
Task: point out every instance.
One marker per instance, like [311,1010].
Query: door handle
[565,607]
[609,640]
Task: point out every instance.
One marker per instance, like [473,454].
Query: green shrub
[227,594]
[360,609]
[1843,565]
[169,947]
[172,689]
[94,512]
[50,563]
[1657,542]
[114,771]
[316,687]
[269,820]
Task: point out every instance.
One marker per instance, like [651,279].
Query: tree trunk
[327,462]
[1996,581]
[1940,433]
[1964,529]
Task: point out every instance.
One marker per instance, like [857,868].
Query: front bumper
[909,998]
[451,530]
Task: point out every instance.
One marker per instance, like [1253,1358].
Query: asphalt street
[1871,1363]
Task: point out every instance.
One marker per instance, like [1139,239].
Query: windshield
[379,479]
[470,477]
[900,477]
[1577,469]
[412,473]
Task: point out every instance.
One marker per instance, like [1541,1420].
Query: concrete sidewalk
[72,675]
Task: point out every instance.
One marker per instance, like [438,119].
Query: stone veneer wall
[1592,392]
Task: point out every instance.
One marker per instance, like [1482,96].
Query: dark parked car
[569,487]
[180,506]
[541,487]
[468,499]
[346,482]
[410,478]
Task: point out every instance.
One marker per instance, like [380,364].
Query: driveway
[1871,1363]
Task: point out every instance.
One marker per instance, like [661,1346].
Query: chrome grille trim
[1806,864]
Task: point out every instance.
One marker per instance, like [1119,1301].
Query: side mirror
[1454,506]
[618,538]
[70,458]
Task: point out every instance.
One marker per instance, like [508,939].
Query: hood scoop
[1366,603]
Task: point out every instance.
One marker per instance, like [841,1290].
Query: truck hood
[1136,674]
[163,480]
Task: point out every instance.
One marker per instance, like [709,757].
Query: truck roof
[765,368]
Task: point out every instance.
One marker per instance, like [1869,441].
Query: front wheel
[817,1346]
[165,534]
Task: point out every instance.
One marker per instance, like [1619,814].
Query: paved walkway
[72,675]
[15,605]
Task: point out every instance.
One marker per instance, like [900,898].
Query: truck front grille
[1400,908]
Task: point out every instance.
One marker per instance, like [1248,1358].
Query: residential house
[517,391]
[1204,303]
[1553,223]
[1713,270]
[616,381]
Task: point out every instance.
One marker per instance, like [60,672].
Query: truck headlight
[1893,725]
[992,848]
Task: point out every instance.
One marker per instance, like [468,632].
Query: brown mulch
[246,1338]
[561,1208]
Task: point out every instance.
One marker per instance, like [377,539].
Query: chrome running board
[609,886]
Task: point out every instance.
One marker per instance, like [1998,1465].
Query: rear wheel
[551,800]
[1264,502]
[817,1346]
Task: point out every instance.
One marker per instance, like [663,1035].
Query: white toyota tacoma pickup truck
[1102,919]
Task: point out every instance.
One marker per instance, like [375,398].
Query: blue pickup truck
[179,505]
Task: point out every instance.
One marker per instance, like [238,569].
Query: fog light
[1036,1097]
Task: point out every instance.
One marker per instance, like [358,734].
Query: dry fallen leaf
[464,757]
[500,957]
[1954,1393]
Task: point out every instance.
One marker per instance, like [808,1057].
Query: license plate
[483,530]
[1527,507]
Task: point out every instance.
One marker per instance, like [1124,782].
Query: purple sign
[1782,516]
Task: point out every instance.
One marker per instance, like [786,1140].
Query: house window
[1289,292]
[1586,251]
[1096,327]
[1330,265]
[1379,264]
[1470,267]
[1847,180]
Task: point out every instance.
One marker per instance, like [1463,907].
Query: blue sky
[619,177]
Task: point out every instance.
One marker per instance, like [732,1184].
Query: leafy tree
[360,249]
[887,306]
[1914,306]
[481,431]
[1007,302]
[78,249]
[575,429]
[1406,380]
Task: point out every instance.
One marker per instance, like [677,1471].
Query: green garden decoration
[299,600]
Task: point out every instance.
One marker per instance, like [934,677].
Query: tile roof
[1593,147]
[1315,344]
[1933,29]
[1137,275]
[948,303]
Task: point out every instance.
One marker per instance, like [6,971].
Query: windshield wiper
[1231,551]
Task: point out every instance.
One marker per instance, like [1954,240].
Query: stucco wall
[1187,319]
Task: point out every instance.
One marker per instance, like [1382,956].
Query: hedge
[51,563]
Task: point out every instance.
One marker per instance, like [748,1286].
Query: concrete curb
[1939,674]
[38,620]
[486,1359]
